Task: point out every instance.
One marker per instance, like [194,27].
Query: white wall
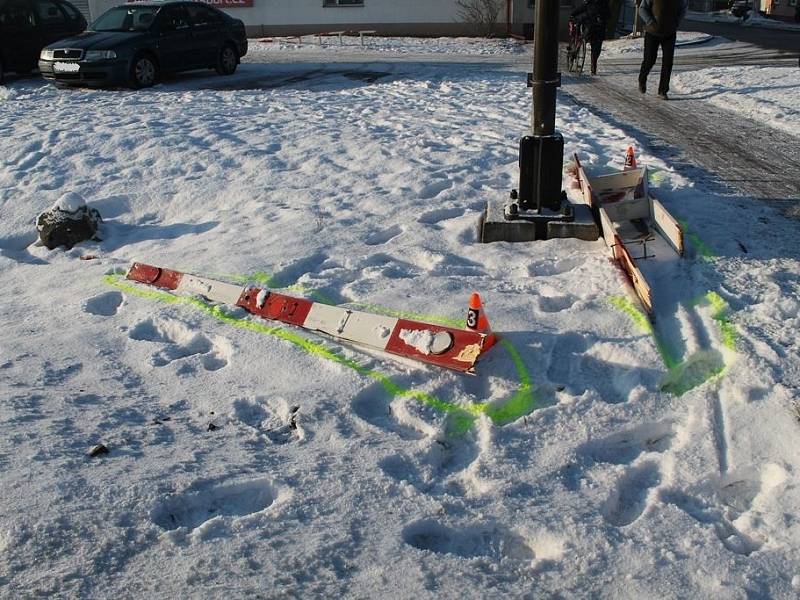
[302,12]
[392,16]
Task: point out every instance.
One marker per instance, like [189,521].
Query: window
[126,18]
[202,15]
[342,3]
[72,12]
[49,13]
[173,18]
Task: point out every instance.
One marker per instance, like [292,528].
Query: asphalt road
[722,150]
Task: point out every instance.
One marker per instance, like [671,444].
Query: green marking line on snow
[641,320]
[522,402]
[462,416]
[700,367]
[702,248]
[721,312]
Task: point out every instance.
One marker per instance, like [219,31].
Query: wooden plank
[628,210]
[617,182]
[635,276]
[609,231]
[667,226]
[586,184]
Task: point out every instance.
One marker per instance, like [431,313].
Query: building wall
[388,17]
[302,12]
[784,9]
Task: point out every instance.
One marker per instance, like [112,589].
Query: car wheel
[144,72]
[227,61]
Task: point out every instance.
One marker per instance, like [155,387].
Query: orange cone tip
[477,320]
[630,158]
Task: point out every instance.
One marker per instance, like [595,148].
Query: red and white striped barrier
[438,345]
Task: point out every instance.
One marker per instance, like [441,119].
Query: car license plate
[61,67]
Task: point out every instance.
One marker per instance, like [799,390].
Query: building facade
[783,9]
[386,17]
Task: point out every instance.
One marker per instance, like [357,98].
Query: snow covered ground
[591,456]
[397,45]
[634,46]
[767,95]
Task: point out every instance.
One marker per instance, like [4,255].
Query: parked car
[27,26]
[134,44]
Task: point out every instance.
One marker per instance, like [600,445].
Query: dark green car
[134,44]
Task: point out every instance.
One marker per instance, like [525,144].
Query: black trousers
[597,48]
[651,44]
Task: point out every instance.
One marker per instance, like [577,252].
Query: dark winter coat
[594,13]
[662,17]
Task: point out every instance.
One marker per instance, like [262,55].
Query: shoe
[642,87]
[663,95]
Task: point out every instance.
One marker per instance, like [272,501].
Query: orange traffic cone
[630,159]
[477,321]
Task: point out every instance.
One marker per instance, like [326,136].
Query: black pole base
[541,160]
[506,222]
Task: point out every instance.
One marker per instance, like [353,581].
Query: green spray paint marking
[657,176]
[640,319]
[727,329]
[702,249]
[522,402]
[700,367]
[461,417]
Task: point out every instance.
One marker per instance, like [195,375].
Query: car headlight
[99,55]
[46,55]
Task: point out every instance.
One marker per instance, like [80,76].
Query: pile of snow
[394,45]
[69,202]
[624,46]
[767,95]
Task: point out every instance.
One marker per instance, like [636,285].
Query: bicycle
[576,47]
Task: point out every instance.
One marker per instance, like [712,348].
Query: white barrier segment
[364,328]
[218,291]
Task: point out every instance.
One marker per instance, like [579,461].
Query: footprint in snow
[620,448]
[384,236]
[626,446]
[192,509]
[432,217]
[104,305]
[630,497]
[707,513]
[434,189]
[554,304]
[473,541]
[558,267]
[274,418]
[180,343]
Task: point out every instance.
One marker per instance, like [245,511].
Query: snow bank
[765,94]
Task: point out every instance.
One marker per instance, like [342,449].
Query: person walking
[594,13]
[661,19]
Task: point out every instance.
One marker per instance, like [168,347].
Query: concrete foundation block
[495,227]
